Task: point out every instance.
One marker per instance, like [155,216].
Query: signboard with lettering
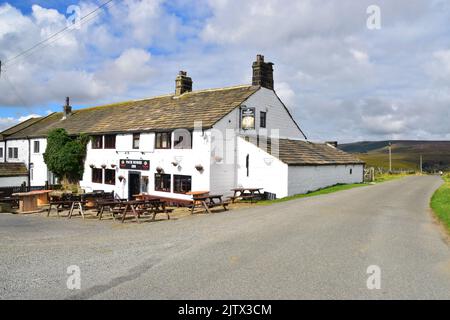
[135,164]
[247,118]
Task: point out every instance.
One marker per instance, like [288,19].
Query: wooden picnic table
[31,201]
[208,202]
[246,193]
[77,204]
[114,206]
[138,207]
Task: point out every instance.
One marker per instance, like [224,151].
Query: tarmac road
[318,247]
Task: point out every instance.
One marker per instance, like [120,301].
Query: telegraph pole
[390,157]
[421,164]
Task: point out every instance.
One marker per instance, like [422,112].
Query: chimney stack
[262,73]
[67,109]
[183,83]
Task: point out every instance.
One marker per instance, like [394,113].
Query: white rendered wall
[303,179]
[199,154]
[40,171]
[224,175]
[22,146]
[265,171]
[276,114]
[13,181]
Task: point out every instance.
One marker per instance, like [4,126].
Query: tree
[64,155]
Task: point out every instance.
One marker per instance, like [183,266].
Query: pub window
[97,142]
[136,140]
[110,141]
[162,182]
[262,119]
[110,176]
[163,140]
[182,184]
[97,175]
[1,152]
[36,147]
[182,139]
[13,153]
[351,171]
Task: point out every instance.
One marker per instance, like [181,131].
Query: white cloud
[342,80]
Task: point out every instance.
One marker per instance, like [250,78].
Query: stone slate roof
[10,169]
[303,153]
[297,152]
[160,113]
[18,127]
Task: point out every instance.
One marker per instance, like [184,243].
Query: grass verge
[390,176]
[440,202]
[335,188]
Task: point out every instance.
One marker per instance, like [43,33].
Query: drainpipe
[6,150]
[29,162]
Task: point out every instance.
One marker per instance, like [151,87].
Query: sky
[341,79]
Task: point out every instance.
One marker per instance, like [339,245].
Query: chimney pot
[262,73]
[67,109]
[183,83]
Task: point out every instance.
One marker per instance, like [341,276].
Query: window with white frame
[13,153]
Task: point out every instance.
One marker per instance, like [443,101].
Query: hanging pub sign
[247,118]
[135,164]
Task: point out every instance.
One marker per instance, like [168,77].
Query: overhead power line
[54,36]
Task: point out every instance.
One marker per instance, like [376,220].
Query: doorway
[134,184]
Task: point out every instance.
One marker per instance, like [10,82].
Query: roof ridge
[117,104]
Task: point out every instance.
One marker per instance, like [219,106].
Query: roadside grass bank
[390,176]
[339,187]
[440,202]
[332,189]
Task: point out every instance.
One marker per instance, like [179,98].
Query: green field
[440,202]
[405,154]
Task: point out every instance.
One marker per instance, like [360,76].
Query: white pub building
[207,140]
